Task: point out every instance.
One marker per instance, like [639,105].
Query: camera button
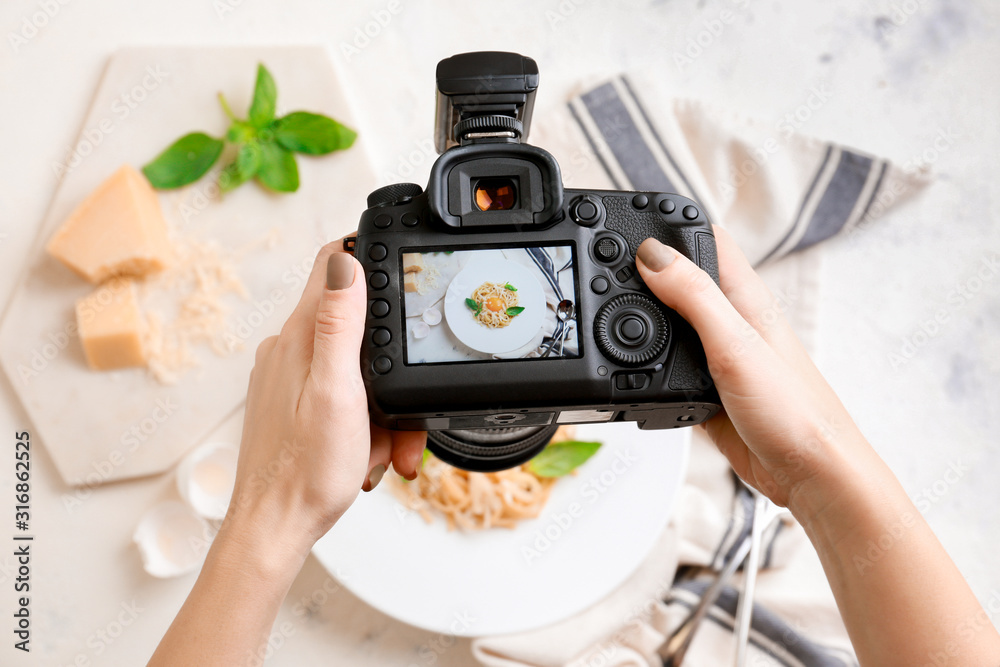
[638,380]
[383,220]
[640,201]
[377,252]
[607,250]
[621,381]
[667,206]
[600,285]
[382,336]
[631,329]
[586,211]
[382,365]
[380,308]
[410,219]
[378,280]
[624,273]
[690,212]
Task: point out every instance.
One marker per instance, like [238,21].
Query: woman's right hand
[781,425]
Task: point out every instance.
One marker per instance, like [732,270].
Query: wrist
[265,535]
[847,484]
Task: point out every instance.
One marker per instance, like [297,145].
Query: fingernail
[375,476]
[340,272]
[655,255]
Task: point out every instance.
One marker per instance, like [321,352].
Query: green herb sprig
[265,145]
[562,458]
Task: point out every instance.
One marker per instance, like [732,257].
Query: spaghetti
[475,500]
[494,304]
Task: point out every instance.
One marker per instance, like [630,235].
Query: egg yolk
[494,303]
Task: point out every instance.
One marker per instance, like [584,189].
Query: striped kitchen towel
[777,191]
[779,194]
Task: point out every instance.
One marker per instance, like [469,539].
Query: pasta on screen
[494,304]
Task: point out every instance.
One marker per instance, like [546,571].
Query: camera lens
[489,449]
[495,194]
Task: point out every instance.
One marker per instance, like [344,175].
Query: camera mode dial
[631,330]
[394,194]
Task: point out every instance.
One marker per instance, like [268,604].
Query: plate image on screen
[489,304]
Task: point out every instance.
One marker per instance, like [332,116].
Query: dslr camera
[502,305]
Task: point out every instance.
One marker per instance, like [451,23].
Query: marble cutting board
[104,426]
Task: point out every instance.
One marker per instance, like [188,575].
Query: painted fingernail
[339,271]
[375,476]
[655,255]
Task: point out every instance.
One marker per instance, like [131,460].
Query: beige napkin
[778,193]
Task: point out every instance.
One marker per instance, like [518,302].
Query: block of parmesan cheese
[118,230]
[110,326]
[413,262]
[409,282]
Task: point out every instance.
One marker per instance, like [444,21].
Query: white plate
[597,528]
[478,336]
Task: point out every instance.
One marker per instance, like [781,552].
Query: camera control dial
[631,330]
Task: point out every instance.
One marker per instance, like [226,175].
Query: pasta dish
[477,500]
[494,304]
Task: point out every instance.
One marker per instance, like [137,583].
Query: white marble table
[913,81]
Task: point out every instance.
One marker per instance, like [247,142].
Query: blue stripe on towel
[802,206]
[659,140]
[622,136]
[840,198]
[593,146]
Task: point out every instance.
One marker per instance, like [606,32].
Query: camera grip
[694,239]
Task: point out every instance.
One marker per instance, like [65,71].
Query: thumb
[340,321]
[684,286]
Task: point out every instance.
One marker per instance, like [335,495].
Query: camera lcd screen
[490,304]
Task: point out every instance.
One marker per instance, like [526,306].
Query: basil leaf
[514,310]
[240,132]
[312,133]
[471,303]
[265,96]
[562,458]
[184,161]
[241,169]
[510,287]
[277,170]
[248,160]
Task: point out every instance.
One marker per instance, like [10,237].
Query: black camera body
[502,306]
